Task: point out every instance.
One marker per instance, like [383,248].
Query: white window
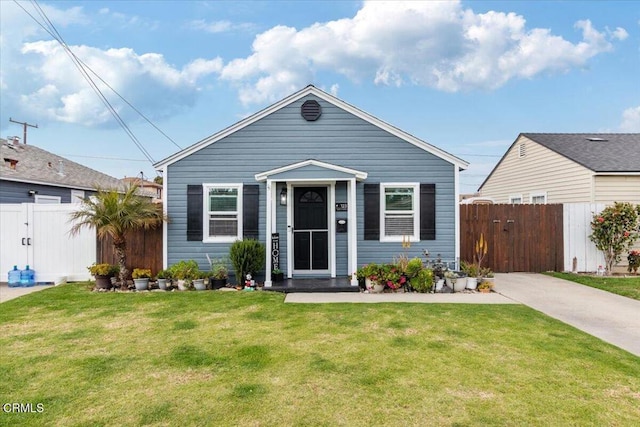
[223,208]
[515,199]
[400,207]
[538,198]
[77,196]
[48,199]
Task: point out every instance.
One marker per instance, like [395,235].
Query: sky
[465,76]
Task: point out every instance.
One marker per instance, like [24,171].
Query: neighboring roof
[600,152]
[140,182]
[38,166]
[312,90]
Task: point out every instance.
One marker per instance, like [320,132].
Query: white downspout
[269,208]
[353,232]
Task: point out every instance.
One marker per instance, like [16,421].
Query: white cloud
[134,76]
[619,33]
[434,44]
[45,84]
[630,120]
[218,26]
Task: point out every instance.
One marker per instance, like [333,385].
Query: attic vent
[311,111]
[11,163]
[522,150]
[596,139]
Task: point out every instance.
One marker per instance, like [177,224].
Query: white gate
[577,228]
[38,235]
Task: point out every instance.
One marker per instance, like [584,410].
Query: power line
[82,68]
[104,158]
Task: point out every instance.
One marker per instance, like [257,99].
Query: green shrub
[247,256]
[423,281]
[414,266]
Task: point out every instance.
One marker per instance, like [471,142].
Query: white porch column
[352,258]
[269,211]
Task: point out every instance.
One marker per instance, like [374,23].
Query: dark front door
[310,229]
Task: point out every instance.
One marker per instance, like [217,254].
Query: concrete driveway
[610,317]
[7,293]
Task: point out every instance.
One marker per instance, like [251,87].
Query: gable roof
[599,152]
[38,166]
[359,175]
[312,90]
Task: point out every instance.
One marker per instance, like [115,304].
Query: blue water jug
[27,277]
[14,277]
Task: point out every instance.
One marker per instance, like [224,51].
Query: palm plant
[113,213]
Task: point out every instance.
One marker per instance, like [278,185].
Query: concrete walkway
[7,293]
[610,317]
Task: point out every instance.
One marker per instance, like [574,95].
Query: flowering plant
[614,230]
[634,261]
[392,276]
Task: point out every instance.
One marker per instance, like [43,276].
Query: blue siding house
[326,187]
[29,174]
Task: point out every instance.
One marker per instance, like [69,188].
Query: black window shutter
[194,212]
[250,214]
[372,212]
[427,212]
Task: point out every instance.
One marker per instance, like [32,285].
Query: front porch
[339,284]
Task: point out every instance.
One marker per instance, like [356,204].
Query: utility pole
[24,128]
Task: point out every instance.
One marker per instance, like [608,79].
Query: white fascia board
[359,175]
[616,173]
[312,90]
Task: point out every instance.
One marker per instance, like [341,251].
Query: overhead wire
[84,70]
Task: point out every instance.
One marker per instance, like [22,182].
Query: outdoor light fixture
[283,197]
[32,193]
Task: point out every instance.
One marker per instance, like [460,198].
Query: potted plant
[423,280]
[141,278]
[247,257]
[471,270]
[219,274]
[486,276]
[372,276]
[392,276]
[198,280]
[485,287]
[451,278]
[103,274]
[163,277]
[183,272]
[277,275]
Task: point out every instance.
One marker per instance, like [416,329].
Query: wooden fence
[144,250]
[520,237]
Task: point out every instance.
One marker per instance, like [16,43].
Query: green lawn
[625,286]
[239,358]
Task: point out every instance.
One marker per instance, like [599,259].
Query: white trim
[456,214]
[516,196]
[352,244]
[538,194]
[165,224]
[616,173]
[269,227]
[312,90]
[415,237]
[77,196]
[206,238]
[332,233]
[44,199]
[331,251]
[262,176]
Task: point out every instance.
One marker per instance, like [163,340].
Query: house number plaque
[341,207]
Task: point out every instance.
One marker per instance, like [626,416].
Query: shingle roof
[600,152]
[40,166]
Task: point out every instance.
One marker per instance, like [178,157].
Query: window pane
[399,199]
[398,225]
[223,199]
[223,225]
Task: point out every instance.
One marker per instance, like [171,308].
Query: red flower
[626,234]
[600,220]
